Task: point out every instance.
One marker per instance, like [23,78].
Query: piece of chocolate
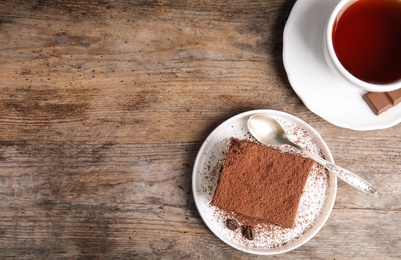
[379,102]
[395,96]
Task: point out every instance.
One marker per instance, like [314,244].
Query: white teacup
[334,62]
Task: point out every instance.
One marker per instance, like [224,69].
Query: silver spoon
[268,131]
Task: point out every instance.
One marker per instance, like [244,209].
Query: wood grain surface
[105,104]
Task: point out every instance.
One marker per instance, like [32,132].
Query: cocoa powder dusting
[261,184]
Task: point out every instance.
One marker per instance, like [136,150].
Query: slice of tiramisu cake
[261,182]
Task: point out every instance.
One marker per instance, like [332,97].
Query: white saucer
[322,91]
[316,202]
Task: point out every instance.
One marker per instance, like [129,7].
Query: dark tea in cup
[367,40]
[363,40]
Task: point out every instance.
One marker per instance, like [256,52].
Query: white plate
[322,91]
[316,203]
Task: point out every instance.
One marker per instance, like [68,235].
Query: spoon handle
[347,176]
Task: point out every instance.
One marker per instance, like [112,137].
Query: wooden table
[105,104]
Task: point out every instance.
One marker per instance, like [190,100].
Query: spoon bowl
[269,132]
